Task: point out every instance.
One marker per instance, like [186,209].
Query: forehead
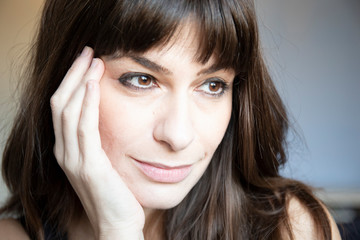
[184,39]
[218,29]
[184,46]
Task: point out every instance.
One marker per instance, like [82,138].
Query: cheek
[127,123]
[212,125]
[111,122]
[122,124]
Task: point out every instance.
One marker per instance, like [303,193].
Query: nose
[174,126]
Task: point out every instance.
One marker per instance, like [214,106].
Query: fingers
[72,112]
[61,96]
[75,73]
[88,130]
[78,150]
[67,105]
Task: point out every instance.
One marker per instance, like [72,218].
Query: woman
[152,120]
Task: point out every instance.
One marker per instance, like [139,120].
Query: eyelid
[224,86]
[124,79]
[215,79]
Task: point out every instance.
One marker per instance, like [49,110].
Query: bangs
[223,28]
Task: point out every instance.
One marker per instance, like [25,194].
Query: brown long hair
[240,196]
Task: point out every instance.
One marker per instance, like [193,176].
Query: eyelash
[126,79]
[222,88]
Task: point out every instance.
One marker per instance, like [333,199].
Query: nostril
[176,137]
[174,126]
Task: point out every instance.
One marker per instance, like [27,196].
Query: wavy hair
[240,196]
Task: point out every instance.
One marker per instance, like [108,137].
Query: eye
[213,87]
[138,80]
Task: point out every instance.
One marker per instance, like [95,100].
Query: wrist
[121,233]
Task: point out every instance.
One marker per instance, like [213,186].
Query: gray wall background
[313,50]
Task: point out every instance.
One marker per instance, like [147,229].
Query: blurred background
[312,48]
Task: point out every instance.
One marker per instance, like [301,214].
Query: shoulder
[11,229]
[302,223]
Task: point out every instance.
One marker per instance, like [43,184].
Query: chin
[161,198]
[160,204]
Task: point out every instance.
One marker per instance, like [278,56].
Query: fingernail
[86,51]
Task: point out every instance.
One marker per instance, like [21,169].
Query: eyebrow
[150,64]
[147,63]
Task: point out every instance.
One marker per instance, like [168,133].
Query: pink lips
[164,174]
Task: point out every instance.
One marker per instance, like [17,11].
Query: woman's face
[162,116]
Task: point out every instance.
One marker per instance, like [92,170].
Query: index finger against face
[64,92]
[74,75]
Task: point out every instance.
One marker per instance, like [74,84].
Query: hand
[110,206]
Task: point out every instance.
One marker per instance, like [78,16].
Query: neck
[153,228]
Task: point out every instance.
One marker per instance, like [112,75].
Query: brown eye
[138,81]
[214,86]
[144,81]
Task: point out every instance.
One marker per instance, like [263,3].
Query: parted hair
[240,196]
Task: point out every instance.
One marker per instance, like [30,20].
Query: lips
[162,173]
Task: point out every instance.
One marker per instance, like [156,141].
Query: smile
[162,173]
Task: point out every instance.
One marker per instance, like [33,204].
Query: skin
[175,120]
[103,126]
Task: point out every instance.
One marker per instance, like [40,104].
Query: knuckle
[82,131]
[67,114]
[54,101]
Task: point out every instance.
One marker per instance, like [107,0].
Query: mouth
[161,173]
